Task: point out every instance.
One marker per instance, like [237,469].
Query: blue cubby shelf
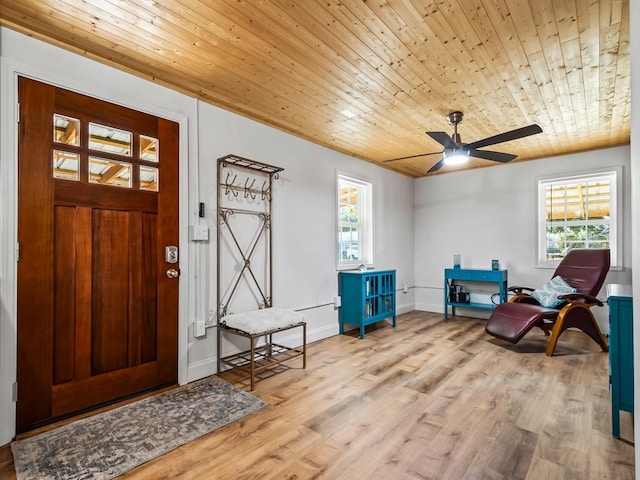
[367,297]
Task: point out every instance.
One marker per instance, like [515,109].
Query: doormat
[111,443]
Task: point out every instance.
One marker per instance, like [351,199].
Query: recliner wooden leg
[562,323]
[593,330]
[555,334]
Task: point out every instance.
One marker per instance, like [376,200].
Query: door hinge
[18,112]
[17,252]
[14,392]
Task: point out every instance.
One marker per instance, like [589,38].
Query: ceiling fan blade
[436,166]
[495,156]
[506,136]
[412,156]
[443,139]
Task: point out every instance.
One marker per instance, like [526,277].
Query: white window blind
[577,212]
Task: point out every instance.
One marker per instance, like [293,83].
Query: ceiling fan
[455,152]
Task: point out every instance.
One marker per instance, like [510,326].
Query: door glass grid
[67,164]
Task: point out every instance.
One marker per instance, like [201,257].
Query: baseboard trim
[430,307]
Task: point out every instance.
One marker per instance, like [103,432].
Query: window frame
[615,222]
[365,233]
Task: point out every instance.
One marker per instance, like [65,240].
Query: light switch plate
[198,329]
[198,233]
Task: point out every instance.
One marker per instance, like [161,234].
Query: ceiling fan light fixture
[457,157]
[457,153]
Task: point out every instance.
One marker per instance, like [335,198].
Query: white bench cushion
[263,320]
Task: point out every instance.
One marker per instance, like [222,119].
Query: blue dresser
[367,297]
[456,276]
[620,300]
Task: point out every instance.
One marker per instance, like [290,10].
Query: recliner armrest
[581,298]
[519,290]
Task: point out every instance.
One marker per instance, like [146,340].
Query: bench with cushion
[255,325]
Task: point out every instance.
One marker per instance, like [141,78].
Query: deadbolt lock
[171,254]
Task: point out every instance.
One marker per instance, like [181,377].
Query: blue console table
[453,276]
[619,298]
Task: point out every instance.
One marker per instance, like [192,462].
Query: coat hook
[228,186]
[247,189]
[264,190]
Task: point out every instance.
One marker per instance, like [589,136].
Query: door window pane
[148,178]
[112,140]
[66,165]
[66,130]
[109,172]
[148,148]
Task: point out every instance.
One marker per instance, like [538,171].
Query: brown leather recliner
[583,269]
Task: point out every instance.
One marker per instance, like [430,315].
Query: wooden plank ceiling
[368,78]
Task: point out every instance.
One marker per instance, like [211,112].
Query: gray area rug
[111,443]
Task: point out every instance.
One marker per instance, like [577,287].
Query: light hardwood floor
[431,399]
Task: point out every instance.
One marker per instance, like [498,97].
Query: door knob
[173,273]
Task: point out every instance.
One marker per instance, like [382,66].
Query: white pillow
[547,296]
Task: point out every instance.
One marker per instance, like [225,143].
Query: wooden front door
[97,206]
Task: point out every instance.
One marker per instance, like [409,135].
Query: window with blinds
[577,212]
[354,222]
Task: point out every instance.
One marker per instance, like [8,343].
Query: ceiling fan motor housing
[454,118]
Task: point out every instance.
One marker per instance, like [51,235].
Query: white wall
[491,213]
[304,204]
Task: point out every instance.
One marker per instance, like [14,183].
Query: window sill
[352,267]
